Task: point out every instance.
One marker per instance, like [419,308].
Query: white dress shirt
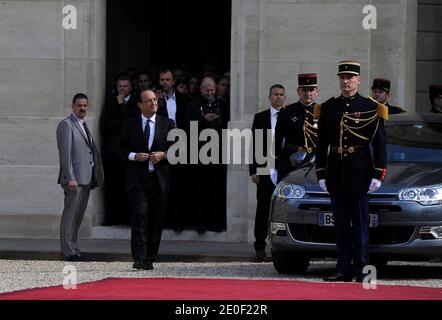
[81,122]
[273,119]
[152,121]
[171,106]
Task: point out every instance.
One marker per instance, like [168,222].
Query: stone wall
[42,66]
[429,51]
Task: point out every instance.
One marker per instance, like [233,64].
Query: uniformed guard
[345,168]
[381,93]
[436,99]
[297,127]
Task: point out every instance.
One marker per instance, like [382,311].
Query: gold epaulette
[317,111]
[383,111]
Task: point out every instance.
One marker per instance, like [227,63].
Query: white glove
[274,176]
[323,185]
[375,185]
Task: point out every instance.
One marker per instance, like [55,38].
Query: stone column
[42,66]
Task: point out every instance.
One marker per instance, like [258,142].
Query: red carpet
[218,289]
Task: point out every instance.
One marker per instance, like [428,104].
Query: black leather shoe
[339,277]
[261,255]
[139,265]
[72,258]
[360,277]
[143,266]
[148,266]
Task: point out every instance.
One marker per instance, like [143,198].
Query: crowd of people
[197,196]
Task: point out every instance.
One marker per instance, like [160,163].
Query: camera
[212,107]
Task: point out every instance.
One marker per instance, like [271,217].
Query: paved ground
[26,263]
[24,274]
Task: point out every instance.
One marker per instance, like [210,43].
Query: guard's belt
[342,150]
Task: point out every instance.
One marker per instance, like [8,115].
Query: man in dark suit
[297,128]
[210,179]
[265,120]
[80,172]
[123,106]
[144,144]
[381,93]
[173,105]
[346,168]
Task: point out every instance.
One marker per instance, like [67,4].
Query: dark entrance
[154,34]
[167,33]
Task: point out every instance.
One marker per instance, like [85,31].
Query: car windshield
[414,142]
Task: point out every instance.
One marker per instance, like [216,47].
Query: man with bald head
[143,144]
[210,113]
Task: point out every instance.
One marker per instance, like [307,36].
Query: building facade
[44,61]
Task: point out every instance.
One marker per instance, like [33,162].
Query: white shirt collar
[172,96]
[153,118]
[127,98]
[273,111]
[81,121]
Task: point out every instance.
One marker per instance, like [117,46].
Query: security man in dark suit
[121,107]
[436,99]
[381,93]
[173,105]
[265,120]
[297,128]
[346,169]
[144,145]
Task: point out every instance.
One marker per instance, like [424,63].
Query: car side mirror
[301,157]
[298,158]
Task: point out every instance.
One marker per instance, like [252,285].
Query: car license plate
[327,220]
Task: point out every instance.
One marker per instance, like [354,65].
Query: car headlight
[289,191]
[427,196]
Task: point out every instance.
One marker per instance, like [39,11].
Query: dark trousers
[352,239]
[264,193]
[148,203]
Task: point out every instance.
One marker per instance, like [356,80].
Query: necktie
[88,133]
[89,138]
[147,133]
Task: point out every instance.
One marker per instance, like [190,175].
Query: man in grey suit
[81,170]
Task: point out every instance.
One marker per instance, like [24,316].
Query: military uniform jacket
[394,109]
[298,127]
[347,128]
